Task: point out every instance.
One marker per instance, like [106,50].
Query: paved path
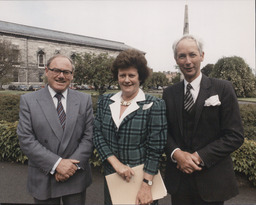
[13,188]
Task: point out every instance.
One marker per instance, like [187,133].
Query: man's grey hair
[62,56]
[198,42]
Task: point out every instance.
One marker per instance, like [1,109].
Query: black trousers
[72,199]
[187,193]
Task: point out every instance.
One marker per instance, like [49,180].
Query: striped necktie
[188,99]
[60,110]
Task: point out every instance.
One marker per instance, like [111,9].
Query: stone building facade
[37,45]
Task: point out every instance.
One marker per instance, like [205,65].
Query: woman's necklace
[125,103]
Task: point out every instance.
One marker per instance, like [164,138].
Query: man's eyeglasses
[57,71]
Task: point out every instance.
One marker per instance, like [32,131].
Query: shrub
[244,160]
[9,144]
[248,115]
[9,107]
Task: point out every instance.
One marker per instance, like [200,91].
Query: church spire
[186,25]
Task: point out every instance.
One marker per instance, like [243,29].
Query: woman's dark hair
[131,58]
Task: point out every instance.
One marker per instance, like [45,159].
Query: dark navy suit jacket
[217,133]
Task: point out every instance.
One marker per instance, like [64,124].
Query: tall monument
[185,31]
[186,25]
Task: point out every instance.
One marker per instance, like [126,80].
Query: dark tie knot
[59,96]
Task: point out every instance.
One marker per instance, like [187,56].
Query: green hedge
[248,115]
[9,107]
[9,144]
[244,160]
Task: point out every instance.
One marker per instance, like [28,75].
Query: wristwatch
[149,182]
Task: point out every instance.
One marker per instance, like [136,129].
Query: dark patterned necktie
[60,110]
[188,99]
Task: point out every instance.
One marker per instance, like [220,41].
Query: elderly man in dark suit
[204,128]
[55,132]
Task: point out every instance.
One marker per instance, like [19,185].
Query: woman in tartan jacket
[130,126]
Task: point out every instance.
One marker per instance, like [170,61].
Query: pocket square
[212,101]
[147,106]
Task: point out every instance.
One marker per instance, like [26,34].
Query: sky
[226,27]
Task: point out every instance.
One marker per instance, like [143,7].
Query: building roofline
[60,36]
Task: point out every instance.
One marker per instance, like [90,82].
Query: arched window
[41,59]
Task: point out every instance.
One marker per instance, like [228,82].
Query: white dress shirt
[55,100]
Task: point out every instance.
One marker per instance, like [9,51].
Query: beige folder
[123,192]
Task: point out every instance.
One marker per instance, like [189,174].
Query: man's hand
[60,178]
[187,162]
[67,167]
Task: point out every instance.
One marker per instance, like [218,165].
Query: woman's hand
[124,171]
[144,195]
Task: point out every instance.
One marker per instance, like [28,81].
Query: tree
[235,69]
[176,79]
[156,80]
[94,70]
[207,69]
[9,61]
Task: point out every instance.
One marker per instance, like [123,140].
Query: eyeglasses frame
[59,71]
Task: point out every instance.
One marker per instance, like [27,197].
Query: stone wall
[29,69]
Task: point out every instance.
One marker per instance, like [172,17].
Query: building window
[15,57]
[41,59]
[15,76]
[73,57]
[57,51]
[41,76]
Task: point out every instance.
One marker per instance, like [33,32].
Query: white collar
[139,97]
[53,93]
[195,83]
[115,106]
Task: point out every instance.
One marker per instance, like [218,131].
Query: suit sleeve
[231,131]
[157,136]
[31,147]
[98,138]
[171,145]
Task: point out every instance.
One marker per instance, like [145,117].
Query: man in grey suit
[204,128]
[55,132]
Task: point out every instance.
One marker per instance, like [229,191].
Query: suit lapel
[202,96]
[71,116]
[46,103]
[179,104]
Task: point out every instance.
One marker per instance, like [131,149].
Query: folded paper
[123,192]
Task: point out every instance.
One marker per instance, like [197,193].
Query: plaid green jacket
[139,139]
